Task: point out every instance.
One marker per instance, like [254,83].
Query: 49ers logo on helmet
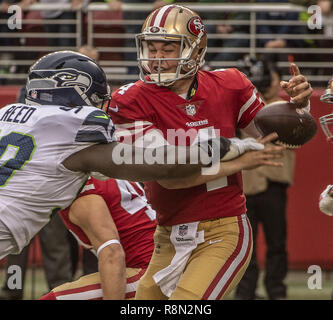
[195,26]
[154,29]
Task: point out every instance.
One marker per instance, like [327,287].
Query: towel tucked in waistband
[185,239]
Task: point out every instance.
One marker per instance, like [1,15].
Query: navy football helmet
[67,78]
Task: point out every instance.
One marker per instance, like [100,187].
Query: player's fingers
[302,97]
[302,94]
[301,87]
[273,147]
[269,138]
[296,81]
[288,89]
[284,84]
[273,163]
[289,86]
[273,154]
[294,70]
[274,150]
[259,139]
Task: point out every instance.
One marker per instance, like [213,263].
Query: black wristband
[216,147]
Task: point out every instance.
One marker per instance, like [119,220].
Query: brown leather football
[295,127]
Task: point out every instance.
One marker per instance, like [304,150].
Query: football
[294,126]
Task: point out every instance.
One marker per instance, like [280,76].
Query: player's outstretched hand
[268,156]
[298,87]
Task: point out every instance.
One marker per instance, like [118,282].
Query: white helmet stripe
[161,16]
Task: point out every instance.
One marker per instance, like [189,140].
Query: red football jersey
[134,218]
[224,100]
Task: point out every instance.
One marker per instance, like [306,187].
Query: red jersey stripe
[130,295]
[243,242]
[226,265]
[78,290]
[136,277]
[226,286]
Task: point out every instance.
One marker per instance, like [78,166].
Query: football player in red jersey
[203,236]
[326,122]
[106,214]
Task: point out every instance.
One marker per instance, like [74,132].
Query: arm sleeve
[92,186]
[132,123]
[96,127]
[249,102]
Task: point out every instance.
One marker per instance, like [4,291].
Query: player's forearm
[220,170]
[112,270]
[249,160]
[123,161]
[126,162]
[169,162]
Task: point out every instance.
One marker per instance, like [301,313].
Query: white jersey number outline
[132,201]
[16,149]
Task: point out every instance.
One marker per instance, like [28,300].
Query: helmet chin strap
[163,79]
[168,79]
[83,95]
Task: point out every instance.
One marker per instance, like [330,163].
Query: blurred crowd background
[275,30]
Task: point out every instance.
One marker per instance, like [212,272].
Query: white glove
[246,144]
[240,146]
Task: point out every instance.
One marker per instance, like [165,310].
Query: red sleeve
[129,115]
[92,186]
[249,101]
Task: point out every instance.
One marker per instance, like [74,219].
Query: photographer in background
[266,193]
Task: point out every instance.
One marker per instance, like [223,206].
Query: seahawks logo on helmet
[60,79]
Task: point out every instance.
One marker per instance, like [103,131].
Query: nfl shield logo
[183,230]
[191,110]
[33,94]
